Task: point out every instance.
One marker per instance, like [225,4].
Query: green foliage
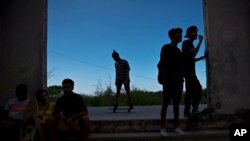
[139,98]
[106,97]
[54,91]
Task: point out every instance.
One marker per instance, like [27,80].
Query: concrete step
[147,119]
[143,124]
[203,135]
[128,126]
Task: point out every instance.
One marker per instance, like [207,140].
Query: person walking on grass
[122,78]
[171,76]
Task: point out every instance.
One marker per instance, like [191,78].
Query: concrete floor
[139,112]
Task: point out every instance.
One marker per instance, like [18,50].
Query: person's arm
[5,115]
[197,48]
[84,107]
[57,109]
[200,58]
[167,61]
[6,111]
[127,67]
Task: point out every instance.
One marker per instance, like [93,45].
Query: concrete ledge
[205,135]
[147,119]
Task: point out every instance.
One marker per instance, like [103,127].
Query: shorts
[119,85]
[173,92]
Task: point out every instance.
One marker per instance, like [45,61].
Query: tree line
[105,97]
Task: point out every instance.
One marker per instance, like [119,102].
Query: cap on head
[190,29]
[115,54]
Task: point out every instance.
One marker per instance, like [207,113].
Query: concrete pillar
[228,66]
[23,46]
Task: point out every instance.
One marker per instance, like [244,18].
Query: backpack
[160,75]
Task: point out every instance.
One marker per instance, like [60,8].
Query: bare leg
[86,127]
[127,88]
[163,115]
[176,115]
[165,102]
[52,125]
[117,95]
[118,89]
[40,130]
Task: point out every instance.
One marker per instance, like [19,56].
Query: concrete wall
[23,46]
[1,12]
[228,44]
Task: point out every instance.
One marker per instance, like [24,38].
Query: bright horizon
[83,33]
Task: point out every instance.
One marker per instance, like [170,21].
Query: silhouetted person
[193,87]
[14,110]
[170,68]
[122,78]
[70,109]
[44,111]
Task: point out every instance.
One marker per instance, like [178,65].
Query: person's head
[115,55]
[68,86]
[42,96]
[191,32]
[175,34]
[21,92]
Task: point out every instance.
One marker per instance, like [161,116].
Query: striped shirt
[122,71]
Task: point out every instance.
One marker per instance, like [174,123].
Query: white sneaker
[179,131]
[163,132]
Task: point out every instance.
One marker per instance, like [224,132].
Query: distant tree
[54,91]
[50,74]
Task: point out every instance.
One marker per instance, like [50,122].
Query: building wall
[1,11]
[228,66]
[23,46]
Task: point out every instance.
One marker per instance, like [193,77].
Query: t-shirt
[122,71]
[16,108]
[171,61]
[188,57]
[45,110]
[69,105]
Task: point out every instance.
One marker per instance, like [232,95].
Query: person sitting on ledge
[70,113]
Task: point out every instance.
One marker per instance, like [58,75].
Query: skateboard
[200,115]
[28,122]
[119,109]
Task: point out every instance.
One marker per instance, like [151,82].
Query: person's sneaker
[187,113]
[163,132]
[179,131]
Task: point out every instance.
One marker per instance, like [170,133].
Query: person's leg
[117,95]
[176,102]
[188,96]
[40,129]
[178,88]
[127,89]
[11,130]
[85,127]
[167,96]
[197,95]
[51,124]
[166,99]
